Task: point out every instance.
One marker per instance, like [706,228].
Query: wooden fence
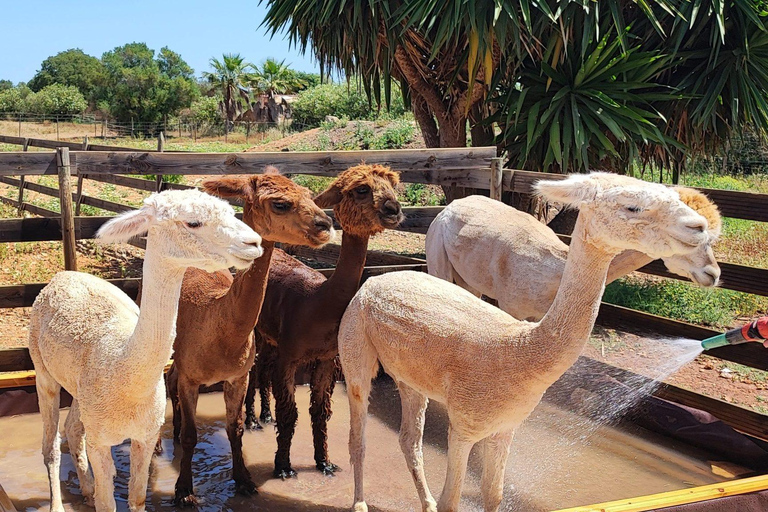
[462,167]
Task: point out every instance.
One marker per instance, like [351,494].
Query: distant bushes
[54,99]
[340,100]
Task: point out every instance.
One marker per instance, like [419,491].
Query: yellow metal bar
[27,378]
[681,497]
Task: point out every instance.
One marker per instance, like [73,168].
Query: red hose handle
[757,330]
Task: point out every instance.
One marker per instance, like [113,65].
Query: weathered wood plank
[740,278]
[23,295]
[88,200]
[15,359]
[66,197]
[330,254]
[18,163]
[465,166]
[749,354]
[9,139]
[37,210]
[42,229]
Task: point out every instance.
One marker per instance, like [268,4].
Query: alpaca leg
[48,400]
[251,422]
[414,406]
[234,394]
[284,384]
[266,370]
[458,454]
[172,389]
[322,384]
[77,449]
[188,394]
[358,391]
[495,453]
[141,457]
[360,363]
[103,477]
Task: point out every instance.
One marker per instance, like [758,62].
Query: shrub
[12,100]
[57,99]
[312,105]
[205,110]
[396,135]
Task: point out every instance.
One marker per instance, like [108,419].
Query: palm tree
[275,77]
[230,76]
[614,82]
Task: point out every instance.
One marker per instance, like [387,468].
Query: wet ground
[559,460]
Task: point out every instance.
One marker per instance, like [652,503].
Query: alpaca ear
[572,191]
[329,198]
[127,225]
[229,186]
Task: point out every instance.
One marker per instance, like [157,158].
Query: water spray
[755,331]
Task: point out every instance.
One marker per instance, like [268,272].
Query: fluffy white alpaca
[87,336]
[489,248]
[440,342]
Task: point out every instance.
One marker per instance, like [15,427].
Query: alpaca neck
[149,347]
[246,295]
[626,262]
[570,319]
[345,280]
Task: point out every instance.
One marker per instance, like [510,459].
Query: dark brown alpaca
[302,309]
[214,329]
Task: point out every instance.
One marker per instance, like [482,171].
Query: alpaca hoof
[159,447]
[284,473]
[266,417]
[251,423]
[327,468]
[89,501]
[246,488]
[184,498]
[360,506]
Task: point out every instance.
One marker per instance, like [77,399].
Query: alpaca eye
[634,209]
[194,224]
[362,190]
[281,206]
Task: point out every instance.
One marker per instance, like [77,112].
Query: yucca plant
[231,76]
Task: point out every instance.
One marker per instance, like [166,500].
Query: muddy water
[558,460]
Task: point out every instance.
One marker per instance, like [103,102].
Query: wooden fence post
[160,148]
[57,127]
[65,199]
[496,178]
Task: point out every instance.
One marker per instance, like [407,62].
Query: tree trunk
[426,120]
[482,135]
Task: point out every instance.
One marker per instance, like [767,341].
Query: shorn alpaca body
[302,309]
[440,342]
[88,337]
[489,248]
[214,329]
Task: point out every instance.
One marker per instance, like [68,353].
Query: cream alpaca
[85,331]
[489,248]
[440,342]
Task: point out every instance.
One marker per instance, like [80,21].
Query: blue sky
[36,29]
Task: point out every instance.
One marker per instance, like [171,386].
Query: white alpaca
[489,248]
[89,337]
[440,342]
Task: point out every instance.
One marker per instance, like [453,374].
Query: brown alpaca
[214,340]
[302,309]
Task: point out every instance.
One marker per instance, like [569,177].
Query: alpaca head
[276,207]
[621,213]
[700,266]
[364,199]
[192,229]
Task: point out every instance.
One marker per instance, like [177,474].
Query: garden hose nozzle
[754,331]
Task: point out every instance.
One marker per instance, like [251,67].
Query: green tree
[71,67]
[312,105]
[206,110]
[274,77]
[230,78]
[146,89]
[306,80]
[700,66]
[5,85]
[57,99]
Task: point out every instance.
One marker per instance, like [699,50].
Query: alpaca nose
[323,223]
[391,207]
